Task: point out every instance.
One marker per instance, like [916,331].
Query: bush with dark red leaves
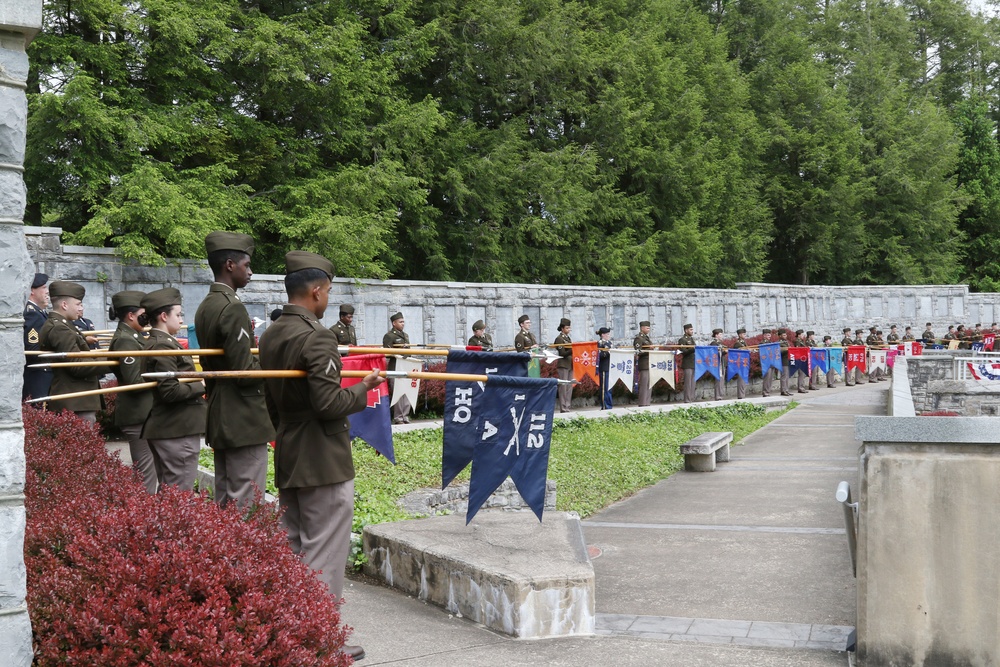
[117,577]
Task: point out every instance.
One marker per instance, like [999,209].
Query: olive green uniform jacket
[59,335]
[237,414]
[565,352]
[395,339]
[310,413]
[524,341]
[178,407]
[642,344]
[687,353]
[485,341]
[131,407]
[345,333]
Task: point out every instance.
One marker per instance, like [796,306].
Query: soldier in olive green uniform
[873,343]
[642,343]
[397,338]
[176,421]
[767,379]
[480,338]
[524,340]
[928,335]
[814,372]
[687,361]
[313,467]
[739,344]
[720,387]
[858,340]
[907,335]
[801,378]
[786,362]
[59,335]
[132,407]
[845,342]
[342,328]
[37,381]
[238,428]
[831,375]
[564,348]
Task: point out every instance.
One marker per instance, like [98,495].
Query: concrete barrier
[505,570]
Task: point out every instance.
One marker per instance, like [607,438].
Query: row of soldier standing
[307,417]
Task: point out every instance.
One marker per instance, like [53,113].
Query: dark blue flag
[819,357]
[978,347]
[739,364]
[770,357]
[373,424]
[462,402]
[513,437]
[706,360]
[798,358]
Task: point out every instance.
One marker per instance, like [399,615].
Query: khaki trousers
[239,473]
[176,460]
[565,391]
[142,457]
[645,394]
[318,520]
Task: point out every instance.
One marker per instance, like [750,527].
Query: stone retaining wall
[442,312]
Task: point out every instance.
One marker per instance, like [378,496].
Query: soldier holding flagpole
[564,368]
[739,344]
[687,343]
[314,469]
[642,343]
[604,367]
[238,429]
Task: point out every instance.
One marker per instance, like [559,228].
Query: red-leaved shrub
[117,577]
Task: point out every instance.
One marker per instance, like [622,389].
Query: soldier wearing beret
[604,367]
[642,343]
[342,328]
[238,429]
[37,381]
[313,467]
[176,420]
[564,348]
[687,361]
[845,342]
[59,335]
[719,384]
[739,344]
[132,407]
[524,340]
[480,338]
[767,379]
[397,338]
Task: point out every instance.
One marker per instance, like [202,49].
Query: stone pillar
[928,550]
[20,20]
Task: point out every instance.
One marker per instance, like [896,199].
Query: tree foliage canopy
[625,142]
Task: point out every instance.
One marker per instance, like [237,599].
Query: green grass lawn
[594,462]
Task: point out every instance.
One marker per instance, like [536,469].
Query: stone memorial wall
[442,312]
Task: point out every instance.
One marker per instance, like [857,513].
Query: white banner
[406,386]
[661,367]
[876,360]
[623,368]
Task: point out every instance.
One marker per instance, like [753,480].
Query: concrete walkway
[746,566]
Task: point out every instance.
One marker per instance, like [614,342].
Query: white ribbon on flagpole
[623,368]
[876,360]
[409,387]
[661,367]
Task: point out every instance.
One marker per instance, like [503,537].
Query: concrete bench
[702,453]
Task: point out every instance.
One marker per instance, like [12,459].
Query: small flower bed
[117,577]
